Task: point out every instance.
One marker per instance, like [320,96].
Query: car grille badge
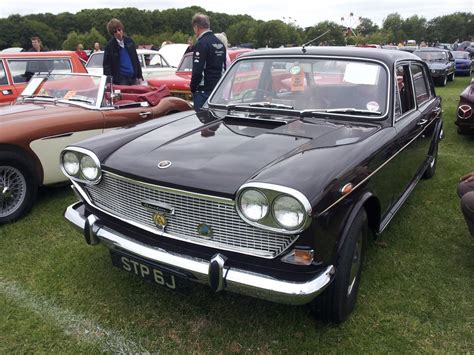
[205,231]
[464,112]
[160,220]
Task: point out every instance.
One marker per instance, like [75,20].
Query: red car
[16,69]
[178,84]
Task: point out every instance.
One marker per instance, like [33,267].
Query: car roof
[388,57]
[431,49]
[38,54]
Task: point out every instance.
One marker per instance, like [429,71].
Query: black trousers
[466,193]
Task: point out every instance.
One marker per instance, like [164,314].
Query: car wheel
[17,191]
[444,80]
[431,169]
[451,77]
[337,302]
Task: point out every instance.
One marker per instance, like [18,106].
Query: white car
[173,53]
[153,64]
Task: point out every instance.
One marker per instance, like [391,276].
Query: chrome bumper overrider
[214,272]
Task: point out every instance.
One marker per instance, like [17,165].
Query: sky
[303,13]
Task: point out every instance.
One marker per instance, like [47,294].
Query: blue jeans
[199,98]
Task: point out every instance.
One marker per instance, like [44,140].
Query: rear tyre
[18,190]
[431,169]
[337,302]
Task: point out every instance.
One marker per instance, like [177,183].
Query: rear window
[23,69]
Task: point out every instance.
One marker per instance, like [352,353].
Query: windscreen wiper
[80,99]
[353,111]
[270,105]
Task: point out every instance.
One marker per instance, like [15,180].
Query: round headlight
[71,163]
[253,204]
[288,212]
[89,168]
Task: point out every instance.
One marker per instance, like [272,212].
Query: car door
[8,91]
[127,114]
[410,124]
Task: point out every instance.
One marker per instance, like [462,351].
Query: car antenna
[314,39]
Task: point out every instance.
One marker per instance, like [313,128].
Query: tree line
[66,30]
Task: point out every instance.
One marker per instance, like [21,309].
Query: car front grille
[124,198]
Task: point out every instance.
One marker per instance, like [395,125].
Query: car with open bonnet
[55,110]
[271,190]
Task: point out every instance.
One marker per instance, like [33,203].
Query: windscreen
[306,84]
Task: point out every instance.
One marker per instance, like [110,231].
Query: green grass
[417,294]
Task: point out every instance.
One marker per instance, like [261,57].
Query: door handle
[421,122]
[7,92]
[144,114]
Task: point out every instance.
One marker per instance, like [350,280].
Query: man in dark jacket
[208,61]
[120,56]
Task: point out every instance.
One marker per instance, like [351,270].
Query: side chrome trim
[231,279]
[376,170]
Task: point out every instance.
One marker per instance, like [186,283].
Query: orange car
[56,110]
[178,83]
[16,69]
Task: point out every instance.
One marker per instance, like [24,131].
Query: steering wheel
[252,93]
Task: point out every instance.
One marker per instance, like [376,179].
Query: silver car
[153,64]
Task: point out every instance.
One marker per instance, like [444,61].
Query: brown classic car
[17,68]
[56,110]
[464,113]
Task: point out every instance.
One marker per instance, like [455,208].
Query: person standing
[209,57]
[81,52]
[36,45]
[97,47]
[466,193]
[120,56]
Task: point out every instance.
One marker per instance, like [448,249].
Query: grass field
[417,293]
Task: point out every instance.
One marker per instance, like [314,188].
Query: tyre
[18,189]
[443,81]
[337,302]
[431,169]
[451,77]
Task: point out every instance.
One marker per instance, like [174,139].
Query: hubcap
[12,190]
[356,264]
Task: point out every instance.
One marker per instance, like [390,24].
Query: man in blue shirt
[209,61]
[120,56]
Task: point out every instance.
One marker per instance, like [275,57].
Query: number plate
[150,271]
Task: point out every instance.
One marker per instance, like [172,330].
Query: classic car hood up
[221,156]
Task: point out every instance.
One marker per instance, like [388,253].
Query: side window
[404,101]
[422,89]
[3,75]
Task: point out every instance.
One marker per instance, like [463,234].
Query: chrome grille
[123,197]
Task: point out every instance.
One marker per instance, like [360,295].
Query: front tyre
[337,302]
[17,191]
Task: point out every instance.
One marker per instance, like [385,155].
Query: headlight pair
[273,207]
[81,165]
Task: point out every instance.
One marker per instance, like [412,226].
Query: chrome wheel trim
[356,263]
[12,190]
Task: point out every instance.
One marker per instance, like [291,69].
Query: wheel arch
[23,156]
[371,204]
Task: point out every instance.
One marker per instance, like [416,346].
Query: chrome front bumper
[214,272]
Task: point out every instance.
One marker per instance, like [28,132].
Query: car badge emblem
[204,231]
[464,112]
[160,220]
[164,164]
